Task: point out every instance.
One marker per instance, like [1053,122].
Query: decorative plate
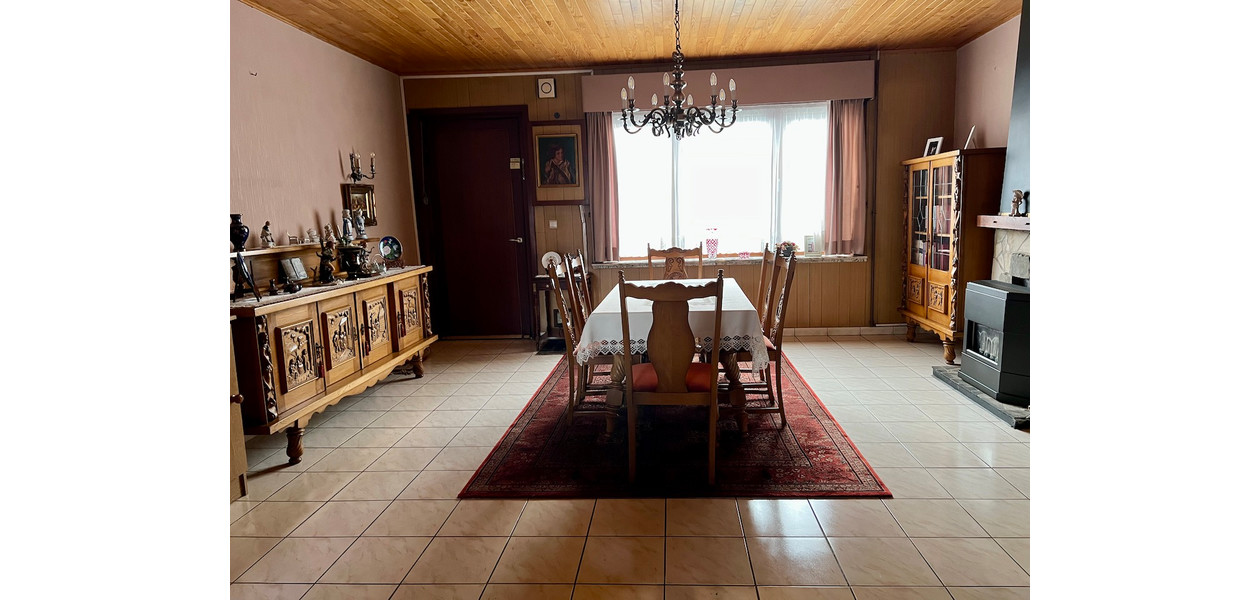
[390,248]
[550,256]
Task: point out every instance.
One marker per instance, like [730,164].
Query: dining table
[741,332]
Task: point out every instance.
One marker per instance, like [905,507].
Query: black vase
[238,233]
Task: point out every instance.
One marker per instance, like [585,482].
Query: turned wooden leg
[949,351]
[241,481]
[730,365]
[295,444]
[417,364]
[911,330]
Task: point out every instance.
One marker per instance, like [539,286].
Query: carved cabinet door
[407,313]
[376,337]
[339,332]
[297,351]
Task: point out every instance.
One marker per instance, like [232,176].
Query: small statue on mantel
[1016,201]
[324,274]
[360,224]
[347,226]
[312,236]
[265,236]
[328,235]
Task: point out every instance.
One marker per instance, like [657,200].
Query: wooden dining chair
[675,262]
[784,271]
[670,377]
[576,276]
[579,388]
[763,284]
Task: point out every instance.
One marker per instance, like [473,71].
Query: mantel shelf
[1002,222]
[291,248]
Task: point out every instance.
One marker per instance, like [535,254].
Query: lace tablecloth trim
[745,343]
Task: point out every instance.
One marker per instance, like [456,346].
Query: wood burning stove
[995,357]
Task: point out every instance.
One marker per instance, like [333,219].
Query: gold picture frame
[359,196]
[558,157]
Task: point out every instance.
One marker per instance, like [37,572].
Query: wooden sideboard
[297,354]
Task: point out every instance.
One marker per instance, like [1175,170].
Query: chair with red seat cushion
[772,321]
[671,378]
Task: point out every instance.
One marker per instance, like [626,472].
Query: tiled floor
[371,511]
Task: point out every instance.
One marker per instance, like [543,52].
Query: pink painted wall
[294,124]
[985,84]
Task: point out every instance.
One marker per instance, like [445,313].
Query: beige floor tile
[490,418]
[872,397]
[344,591]
[400,418]
[478,436]
[416,518]
[934,518]
[377,485]
[313,487]
[400,388]
[460,458]
[882,561]
[635,517]
[239,508]
[328,437]
[496,376]
[975,483]
[404,459]
[901,593]
[483,518]
[341,519]
[447,418]
[702,516]
[279,460]
[376,560]
[527,591]
[618,592]
[438,592]
[268,591]
[297,560]
[779,518]
[867,433]
[897,412]
[623,560]
[478,389]
[466,402]
[919,433]
[421,403]
[848,415]
[376,402]
[1000,518]
[539,560]
[427,437]
[357,419]
[347,459]
[912,483]
[274,519]
[377,437]
[457,560]
[998,455]
[506,403]
[245,551]
[1020,478]
[968,562]
[707,561]
[885,455]
[1019,550]
[804,593]
[943,413]
[990,593]
[943,454]
[436,484]
[457,377]
[262,485]
[710,592]
[794,561]
[864,518]
[555,518]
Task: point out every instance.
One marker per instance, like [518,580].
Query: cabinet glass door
[919,195]
[942,215]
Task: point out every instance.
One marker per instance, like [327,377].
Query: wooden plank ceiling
[416,37]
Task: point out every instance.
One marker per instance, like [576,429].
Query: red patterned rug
[541,457]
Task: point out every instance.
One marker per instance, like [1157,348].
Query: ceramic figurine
[312,236]
[238,233]
[328,234]
[265,236]
[325,272]
[360,224]
[1016,202]
[347,225]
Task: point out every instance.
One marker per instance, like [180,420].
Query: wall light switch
[552,224]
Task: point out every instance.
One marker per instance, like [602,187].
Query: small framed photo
[358,196]
[557,156]
[293,269]
[933,146]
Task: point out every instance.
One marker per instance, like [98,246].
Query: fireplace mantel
[1003,222]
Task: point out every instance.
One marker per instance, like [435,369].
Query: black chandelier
[672,117]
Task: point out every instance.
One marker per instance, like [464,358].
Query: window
[761,181]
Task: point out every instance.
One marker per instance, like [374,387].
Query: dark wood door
[473,222]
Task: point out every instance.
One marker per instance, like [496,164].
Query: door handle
[519,240]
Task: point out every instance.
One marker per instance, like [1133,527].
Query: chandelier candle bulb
[689,100]
[624,104]
[653,99]
[713,82]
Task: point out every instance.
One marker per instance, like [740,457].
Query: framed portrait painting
[558,156]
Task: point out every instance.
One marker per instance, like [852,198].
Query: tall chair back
[575,277]
[776,315]
[763,284]
[675,262]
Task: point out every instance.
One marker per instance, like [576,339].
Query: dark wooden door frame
[416,120]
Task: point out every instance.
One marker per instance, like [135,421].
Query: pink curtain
[603,172]
[844,227]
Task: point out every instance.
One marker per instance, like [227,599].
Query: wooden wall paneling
[915,98]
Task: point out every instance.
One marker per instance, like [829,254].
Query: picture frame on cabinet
[359,196]
[933,146]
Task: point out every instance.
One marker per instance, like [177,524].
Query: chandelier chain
[677,31]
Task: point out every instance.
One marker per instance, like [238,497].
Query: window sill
[804,258]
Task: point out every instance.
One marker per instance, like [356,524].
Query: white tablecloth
[741,329]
